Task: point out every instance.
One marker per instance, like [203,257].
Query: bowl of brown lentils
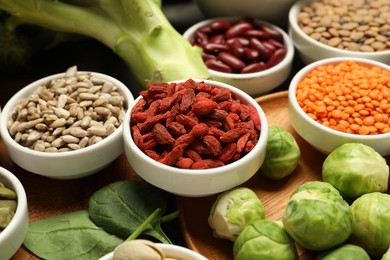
[251,54]
[325,29]
[67,125]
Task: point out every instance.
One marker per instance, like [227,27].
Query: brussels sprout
[356,169]
[233,210]
[371,222]
[282,154]
[264,239]
[346,251]
[317,216]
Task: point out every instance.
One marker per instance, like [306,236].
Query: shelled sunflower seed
[68,113]
[8,205]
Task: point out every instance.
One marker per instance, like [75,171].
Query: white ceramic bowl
[256,83]
[310,50]
[322,137]
[273,11]
[12,237]
[64,165]
[170,251]
[196,183]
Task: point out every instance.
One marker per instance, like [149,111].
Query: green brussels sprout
[346,251]
[356,169]
[282,154]
[371,222]
[317,216]
[264,239]
[386,256]
[233,210]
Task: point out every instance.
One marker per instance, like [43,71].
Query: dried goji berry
[192,154]
[233,134]
[137,137]
[212,144]
[184,163]
[207,164]
[171,157]
[176,129]
[228,152]
[162,135]
[200,129]
[188,121]
[204,106]
[254,116]
[241,142]
[153,154]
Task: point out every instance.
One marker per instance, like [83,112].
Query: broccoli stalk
[136,30]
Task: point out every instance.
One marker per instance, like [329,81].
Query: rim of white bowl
[300,74]
[293,22]
[217,170]
[30,88]
[21,202]
[287,43]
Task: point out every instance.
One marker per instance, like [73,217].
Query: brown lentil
[348,24]
[68,113]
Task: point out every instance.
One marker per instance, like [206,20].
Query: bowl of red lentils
[338,100]
[323,29]
[67,125]
[195,137]
[250,54]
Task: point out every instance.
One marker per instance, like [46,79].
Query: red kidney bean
[231,60]
[273,33]
[238,29]
[237,49]
[215,47]
[206,29]
[258,45]
[276,57]
[276,43]
[269,46]
[243,41]
[218,66]
[220,26]
[207,56]
[219,38]
[257,34]
[251,54]
[254,67]
[201,37]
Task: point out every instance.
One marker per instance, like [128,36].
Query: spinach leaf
[122,207]
[69,236]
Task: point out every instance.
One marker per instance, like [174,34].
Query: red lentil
[348,97]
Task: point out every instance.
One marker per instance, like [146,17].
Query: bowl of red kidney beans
[250,54]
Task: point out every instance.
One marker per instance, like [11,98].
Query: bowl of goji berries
[195,137]
[250,54]
[338,100]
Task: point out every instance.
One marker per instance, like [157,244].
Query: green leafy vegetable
[136,30]
[69,236]
[121,207]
